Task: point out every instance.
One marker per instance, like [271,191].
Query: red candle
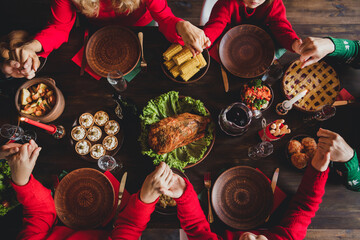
[50,128]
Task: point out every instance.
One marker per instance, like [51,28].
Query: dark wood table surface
[340,207]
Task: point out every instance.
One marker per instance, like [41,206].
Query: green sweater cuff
[351,172]
[345,50]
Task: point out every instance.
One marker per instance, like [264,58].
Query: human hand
[177,188]
[28,50]
[193,37]
[22,163]
[332,142]
[321,160]
[313,49]
[13,68]
[9,149]
[296,45]
[161,178]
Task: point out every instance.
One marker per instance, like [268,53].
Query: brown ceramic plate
[84,199]
[170,210]
[194,78]
[242,197]
[321,81]
[246,51]
[119,135]
[113,48]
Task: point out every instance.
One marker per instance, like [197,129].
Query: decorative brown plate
[84,199]
[119,135]
[113,48]
[194,78]
[242,197]
[320,79]
[246,51]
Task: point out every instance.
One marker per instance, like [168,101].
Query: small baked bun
[294,147]
[299,160]
[94,133]
[309,144]
[101,118]
[78,133]
[112,127]
[310,153]
[110,143]
[86,120]
[97,151]
[82,147]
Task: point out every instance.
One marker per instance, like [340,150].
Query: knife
[274,180]
[83,60]
[121,191]
[223,73]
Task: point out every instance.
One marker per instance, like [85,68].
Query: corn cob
[189,74]
[169,64]
[202,61]
[187,66]
[182,56]
[175,71]
[171,51]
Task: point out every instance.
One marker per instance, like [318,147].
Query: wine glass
[16,133]
[117,80]
[108,163]
[326,112]
[260,150]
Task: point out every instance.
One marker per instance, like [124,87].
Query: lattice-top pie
[320,79]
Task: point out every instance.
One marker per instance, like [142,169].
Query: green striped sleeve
[346,51]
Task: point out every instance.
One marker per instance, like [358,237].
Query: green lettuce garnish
[167,105]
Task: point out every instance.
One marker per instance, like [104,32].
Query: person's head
[90,8]
[251,236]
[256,3]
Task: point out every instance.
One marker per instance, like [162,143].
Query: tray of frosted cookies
[95,134]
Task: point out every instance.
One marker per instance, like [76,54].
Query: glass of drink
[260,150]
[117,80]
[108,163]
[326,112]
[16,133]
[235,119]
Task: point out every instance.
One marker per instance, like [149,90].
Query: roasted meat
[174,132]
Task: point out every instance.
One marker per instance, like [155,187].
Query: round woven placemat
[246,51]
[112,48]
[242,197]
[84,199]
[321,81]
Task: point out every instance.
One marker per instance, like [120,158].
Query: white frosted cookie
[112,127]
[110,143]
[78,133]
[82,147]
[101,118]
[94,133]
[97,151]
[86,120]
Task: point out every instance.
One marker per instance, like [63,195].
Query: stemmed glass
[262,149]
[326,112]
[16,133]
[108,163]
[117,80]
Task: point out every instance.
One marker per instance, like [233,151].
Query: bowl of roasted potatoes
[39,99]
[180,66]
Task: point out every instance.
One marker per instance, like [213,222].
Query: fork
[207,183]
[143,63]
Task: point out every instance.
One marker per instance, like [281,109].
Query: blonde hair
[91,8]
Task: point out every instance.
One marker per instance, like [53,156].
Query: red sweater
[233,13]
[40,215]
[293,226]
[64,14]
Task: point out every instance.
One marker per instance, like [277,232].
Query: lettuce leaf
[167,105]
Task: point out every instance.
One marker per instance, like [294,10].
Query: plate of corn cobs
[181,66]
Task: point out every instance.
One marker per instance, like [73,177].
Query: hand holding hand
[9,149]
[193,37]
[161,178]
[26,51]
[22,163]
[177,188]
[13,68]
[314,49]
[332,142]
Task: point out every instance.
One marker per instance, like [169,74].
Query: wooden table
[340,207]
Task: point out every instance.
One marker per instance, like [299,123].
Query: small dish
[300,164]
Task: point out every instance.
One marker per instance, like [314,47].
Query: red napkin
[344,95]
[125,198]
[78,58]
[279,195]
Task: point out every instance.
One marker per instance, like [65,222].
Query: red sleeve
[191,216]
[39,209]
[220,17]
[305,203]
[162,14]
[59,27]
[132,221]
[280,26]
